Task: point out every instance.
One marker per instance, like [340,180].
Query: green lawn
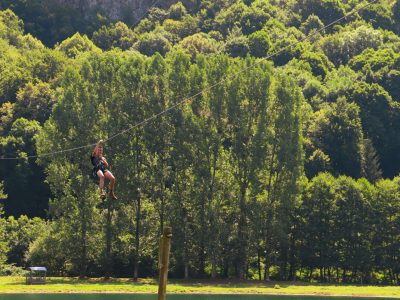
[71,285]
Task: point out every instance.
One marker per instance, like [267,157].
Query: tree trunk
[259,262]
[83,267]
[185,256]
[210,199]
[137,239]
[292,258]
[162,207]
[108,261]
[203,228]
[266,270]
[391,275]
[292,271]
[83,254]
[138,211]
[226,268]
[213,267]
[186,270]
[241,233]
[329,274]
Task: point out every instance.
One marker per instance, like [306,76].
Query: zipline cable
[239,72]
[354,11]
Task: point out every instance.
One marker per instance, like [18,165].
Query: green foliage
[336,230]
[11,27]
[88,221]
[53,21]
[317,250]
[313,23]
[21,233]
[177,11]
[237,45]
[145,26]
[386,235]
[4,247]
[6,117]
[341,47]
[25,128]
[29,42]
[197,44]
[3,196]
[34,102]
[351,222]
[50,65]
[371,61]
[186,26]
[24,179]
[227,19]
[314,92]
[381,67]
[184,135]
[371,166]
[157,14]
[286,43]
[254,18]
[15,238]
[338,133]
[49,250]
[24,59]
[153,42]
[319,63]
[326,10]
[76,45]
[14,74]
[379,15]
[226,168]
[378,116]
[116,35]
[317,162]
[12,270]
[259,43]
[339,82]
[250,18]
[396,15]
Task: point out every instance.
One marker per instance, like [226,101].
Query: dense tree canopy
[278,160]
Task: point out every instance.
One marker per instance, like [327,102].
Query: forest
[264,132]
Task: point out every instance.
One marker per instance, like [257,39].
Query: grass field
[73,285]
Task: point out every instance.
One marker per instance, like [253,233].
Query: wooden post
[165,247]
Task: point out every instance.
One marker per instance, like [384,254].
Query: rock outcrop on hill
[116,10]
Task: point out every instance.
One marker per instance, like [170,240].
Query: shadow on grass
[220,283]
[234,283]
[89,281]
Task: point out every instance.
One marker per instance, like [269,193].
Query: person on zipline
[100,170]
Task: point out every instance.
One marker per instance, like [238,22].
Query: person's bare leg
[111,178]
[101,182]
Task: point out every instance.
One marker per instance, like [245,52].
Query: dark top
[95,160]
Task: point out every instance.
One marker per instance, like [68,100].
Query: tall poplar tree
[249,95]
